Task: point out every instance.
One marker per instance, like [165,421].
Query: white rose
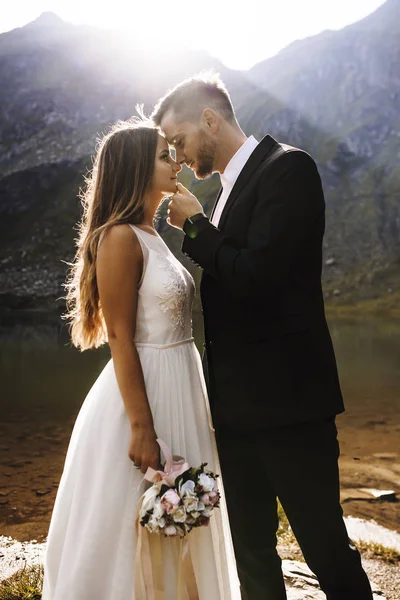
[170,530]
[206,482]
[179,515]
[161,523]
[149,499]
[187,488]
[158,510]
[207,512]
[190,503]
[152,524]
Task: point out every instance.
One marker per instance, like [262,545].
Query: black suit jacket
[269,355]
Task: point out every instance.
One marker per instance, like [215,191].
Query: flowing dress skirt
[91,544]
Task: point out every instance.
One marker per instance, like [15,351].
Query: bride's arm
[118,270]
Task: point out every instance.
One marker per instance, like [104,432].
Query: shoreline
[12,304]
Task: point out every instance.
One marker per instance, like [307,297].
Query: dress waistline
[164,346]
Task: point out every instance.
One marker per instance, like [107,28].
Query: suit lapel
[258,155]
[215,203]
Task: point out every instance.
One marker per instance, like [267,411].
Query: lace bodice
[166,291]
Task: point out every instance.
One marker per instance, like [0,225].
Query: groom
[272,376]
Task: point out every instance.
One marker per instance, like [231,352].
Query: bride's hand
[144,451]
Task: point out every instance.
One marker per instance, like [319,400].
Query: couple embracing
[260,410]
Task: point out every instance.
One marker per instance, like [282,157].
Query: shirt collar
[237,162]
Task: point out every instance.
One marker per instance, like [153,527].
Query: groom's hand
[182,206]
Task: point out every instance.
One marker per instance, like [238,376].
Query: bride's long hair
[115,194]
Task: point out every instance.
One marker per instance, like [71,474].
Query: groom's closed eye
[178,143]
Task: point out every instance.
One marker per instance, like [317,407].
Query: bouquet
[181,497]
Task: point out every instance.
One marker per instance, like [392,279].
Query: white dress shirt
[231,173]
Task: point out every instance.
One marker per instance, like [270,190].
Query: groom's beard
[205,156]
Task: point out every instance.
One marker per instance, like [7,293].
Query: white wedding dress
[91,543]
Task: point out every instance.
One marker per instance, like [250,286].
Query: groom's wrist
[194,224]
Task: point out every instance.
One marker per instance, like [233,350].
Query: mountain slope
[347,84]
[334,95]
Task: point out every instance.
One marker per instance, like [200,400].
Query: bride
[127,289]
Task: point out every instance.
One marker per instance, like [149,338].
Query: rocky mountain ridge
[335,95]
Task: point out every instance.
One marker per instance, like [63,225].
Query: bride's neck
[149,215]
[148,220]
[147,223]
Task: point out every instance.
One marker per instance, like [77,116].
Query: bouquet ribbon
[174,466]
[149,568]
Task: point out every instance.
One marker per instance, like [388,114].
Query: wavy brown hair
[115,194]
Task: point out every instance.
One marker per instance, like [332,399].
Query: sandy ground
[32,457]
[370,458]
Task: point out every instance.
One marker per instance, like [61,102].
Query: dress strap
[145,250]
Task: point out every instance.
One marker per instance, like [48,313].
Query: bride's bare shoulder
[119,238]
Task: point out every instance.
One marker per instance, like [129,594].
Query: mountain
[63,84]
[333,95]
[347,83]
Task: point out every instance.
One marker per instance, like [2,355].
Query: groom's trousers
[299,465]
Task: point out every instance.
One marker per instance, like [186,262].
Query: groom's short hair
[189,98]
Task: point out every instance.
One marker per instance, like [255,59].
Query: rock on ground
[303,585]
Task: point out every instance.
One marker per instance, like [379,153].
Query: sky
[240,33]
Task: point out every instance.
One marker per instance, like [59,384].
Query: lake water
[44,382]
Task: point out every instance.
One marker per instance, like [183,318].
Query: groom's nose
[180,157]
[177,166]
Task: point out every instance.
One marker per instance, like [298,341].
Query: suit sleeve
[286,213]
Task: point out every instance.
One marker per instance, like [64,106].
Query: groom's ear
[210,120]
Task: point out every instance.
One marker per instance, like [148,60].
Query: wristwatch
[191,225]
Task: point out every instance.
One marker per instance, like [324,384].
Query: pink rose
[169,500]
[214,497]
[205,499]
